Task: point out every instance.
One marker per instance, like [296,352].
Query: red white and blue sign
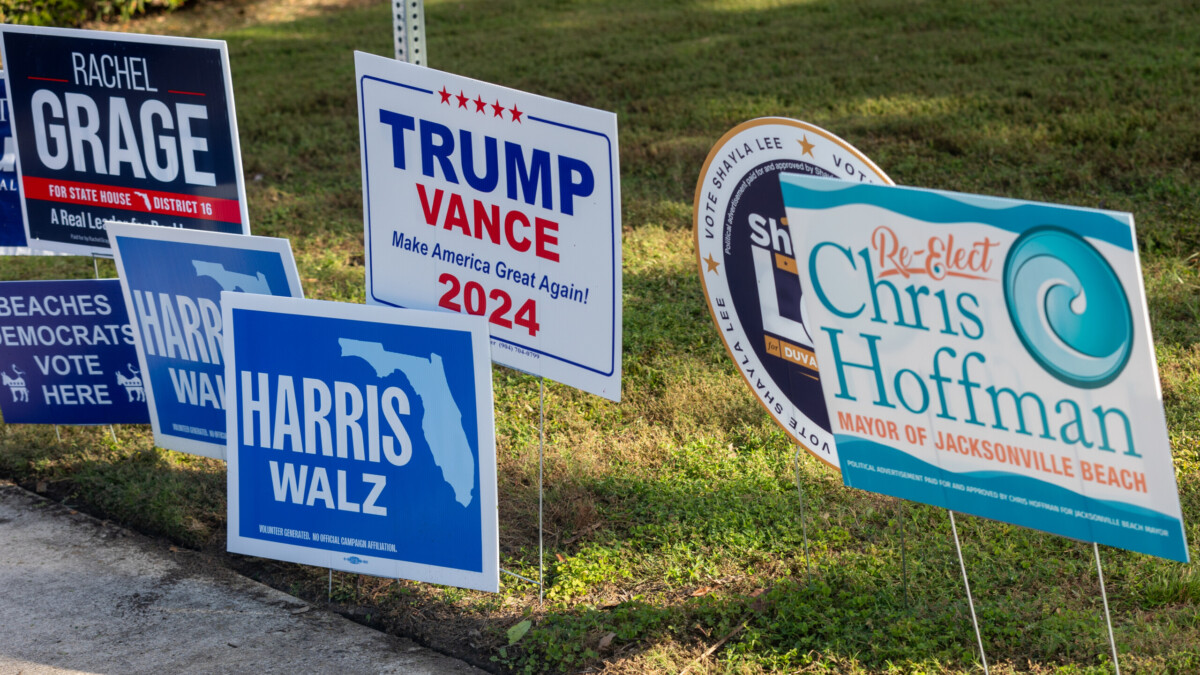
[114,126]
[172,282]
[67,354]
[368,445]
[484,200]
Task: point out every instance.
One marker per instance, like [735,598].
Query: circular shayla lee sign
[748,264]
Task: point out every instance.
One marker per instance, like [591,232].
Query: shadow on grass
[1088,103]
[157,492]
[715,547]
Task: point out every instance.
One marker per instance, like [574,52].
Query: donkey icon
[16,385]
[133,385]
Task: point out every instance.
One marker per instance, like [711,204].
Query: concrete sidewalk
[78,595]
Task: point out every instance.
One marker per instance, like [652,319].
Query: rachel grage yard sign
[483,200]
[748,264]
[365,446]
[111,126]
[989,356]
[172,282]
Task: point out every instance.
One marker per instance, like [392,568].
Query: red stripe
[187,93]
[129,199]
[46,79]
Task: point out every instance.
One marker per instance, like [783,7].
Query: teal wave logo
[1068,307]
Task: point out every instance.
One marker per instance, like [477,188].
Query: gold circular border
[712,154]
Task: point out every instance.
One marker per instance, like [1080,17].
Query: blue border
[612,224]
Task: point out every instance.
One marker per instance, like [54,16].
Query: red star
[462,100]
[497,109]
[445,95]
[516,114]
[480,104]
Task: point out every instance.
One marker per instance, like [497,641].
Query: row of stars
[481,105]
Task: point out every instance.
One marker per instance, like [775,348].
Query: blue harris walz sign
[366,446]
[172,280]
[67,354]
[112,126]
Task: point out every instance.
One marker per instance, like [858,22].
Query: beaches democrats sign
[67,354]
[484,200]
[990,356]
[172,282]
[113,126]
[367,445]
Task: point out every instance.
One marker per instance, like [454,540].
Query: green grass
[673,524]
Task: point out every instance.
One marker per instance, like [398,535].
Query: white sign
[489,201]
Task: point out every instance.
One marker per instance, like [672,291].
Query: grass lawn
[673,522]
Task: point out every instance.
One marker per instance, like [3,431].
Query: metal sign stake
[96,269]
[803,520]
[1112,640]
[967,584]
[541,465]
[903,557]
[541,580]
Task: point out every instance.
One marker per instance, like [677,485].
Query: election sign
[989,356]
[12,225]
[747,263]
[67,354]
[368,445]
[111,126]
[488,201]
[172,282]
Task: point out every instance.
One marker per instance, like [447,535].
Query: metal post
[408,17]
[541,466]
[803,520]
[541,580]
[903,558]
[970,601]
[1112,640]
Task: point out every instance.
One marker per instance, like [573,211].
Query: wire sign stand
[541,580]
[1112,640]
[96,268]
[803,520]
[967,584]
